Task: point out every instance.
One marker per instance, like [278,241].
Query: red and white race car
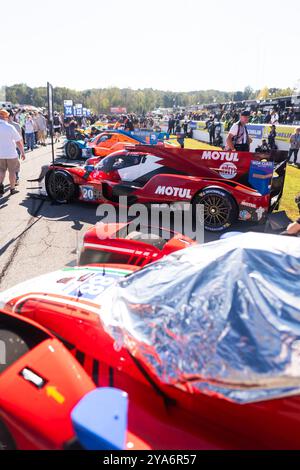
[230,185]
[177,414]
[47,400]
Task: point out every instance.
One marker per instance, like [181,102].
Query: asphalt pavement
[37,236]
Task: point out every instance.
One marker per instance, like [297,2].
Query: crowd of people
[32,128]
[32,125]
[20,129]
[229,114]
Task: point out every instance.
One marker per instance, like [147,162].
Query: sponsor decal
[260,212]
[245,215]
[181,193]
[94,285]
[225,226]
[248,204]
[212,191]
[222,156]
[262,177]
[228,170]
[249,211]
[262,164]
[267,168]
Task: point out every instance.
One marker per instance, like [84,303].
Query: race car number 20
[87,193]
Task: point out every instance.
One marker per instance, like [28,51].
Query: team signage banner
[283,133]
[255,131]
[193,125]
[84,112]
[118,110]
[201,126]
[78,110]
[68,108]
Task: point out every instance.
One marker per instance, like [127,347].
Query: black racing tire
[60,187]
[220,209]
[6,440]
[73,151]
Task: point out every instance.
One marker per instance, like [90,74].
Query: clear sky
[177,45]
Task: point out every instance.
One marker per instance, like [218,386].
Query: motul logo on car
[223,156]
[181,193]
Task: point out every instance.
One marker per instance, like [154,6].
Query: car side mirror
[100,419]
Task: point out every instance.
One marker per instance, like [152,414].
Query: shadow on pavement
[81,213]
[78,213]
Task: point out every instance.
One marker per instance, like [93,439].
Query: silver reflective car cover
[222,318]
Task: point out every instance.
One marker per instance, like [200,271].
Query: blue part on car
[260,176]
[146,136]
[81,143]
[100,419]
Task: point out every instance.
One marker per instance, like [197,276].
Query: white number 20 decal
[88,193]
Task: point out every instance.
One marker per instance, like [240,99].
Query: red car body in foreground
[231,185]
[121,243]
[40,383]
[162,416]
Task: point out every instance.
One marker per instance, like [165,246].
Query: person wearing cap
[10,140]
[238,137]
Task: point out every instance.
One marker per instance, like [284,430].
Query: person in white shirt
[19,130]
[29,132]
[238,137]
[10,140]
